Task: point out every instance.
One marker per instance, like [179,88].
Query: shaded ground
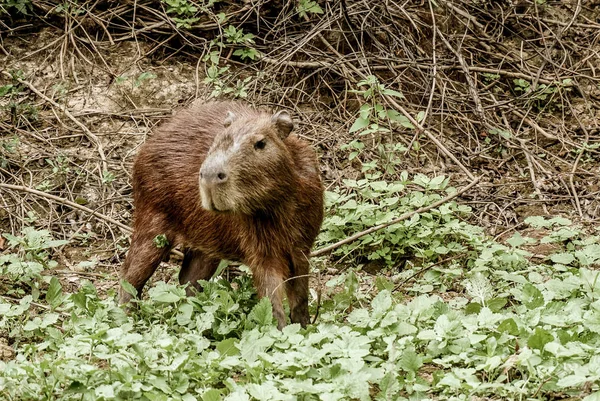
[510,91]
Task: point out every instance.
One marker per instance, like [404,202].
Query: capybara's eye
[260,144]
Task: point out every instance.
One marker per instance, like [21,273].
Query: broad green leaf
[410,361]
[516,240]
[359,124]
[227,347]
[128,288]
[539,339]
[509,326]
[532,297]
[212,395]
[54,293]
[496,304]
[262,313]
[572,381]
[563,258]
[595,396]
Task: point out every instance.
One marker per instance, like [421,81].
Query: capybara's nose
[213,176]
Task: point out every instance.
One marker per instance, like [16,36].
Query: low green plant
[372,201]
[70,9]
[502,327]
[135,81]
[237,36]
[374,115]
[215,79]
[544,96]
[185,12]
[14,102]
[8,148]
[29,256]
[305,7]
[20,6]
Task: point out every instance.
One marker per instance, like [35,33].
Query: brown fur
[273,199]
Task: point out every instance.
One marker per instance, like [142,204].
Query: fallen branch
[93,138]
[74,205]
[68,203]
[405,216]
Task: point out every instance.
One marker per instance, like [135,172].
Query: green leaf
[161,241]
[516,240]
[391,92]
[410,361]
[509,326]
[54,293]
[105,391]
[128,288]
[262,313]
[473,308]
[537,221]
[5,89]
[593,397]
[539,339]
[166,293]
[572,381]
[532,297]
[436,182]
[496,304]
[381,304]
[359,124]
[212,395]
[563,258]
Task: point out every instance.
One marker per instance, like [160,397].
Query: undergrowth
[473,318]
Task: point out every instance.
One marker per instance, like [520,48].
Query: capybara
[226,181]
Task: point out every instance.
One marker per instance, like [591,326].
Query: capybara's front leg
[142,260]
[297,289]
[269,282]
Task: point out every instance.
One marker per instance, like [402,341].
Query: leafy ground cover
[467,318]
[402,102]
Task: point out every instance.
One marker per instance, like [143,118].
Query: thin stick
[405,216]
[68,203]
[76,206]
[85,129]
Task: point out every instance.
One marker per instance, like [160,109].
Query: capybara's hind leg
[196,266]
[142,260]
[297,289]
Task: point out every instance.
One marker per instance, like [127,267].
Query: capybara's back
[228,182]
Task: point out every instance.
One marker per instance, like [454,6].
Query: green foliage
[215,79]
[20,6]
[14,101]
[161,241]
[544,96]
[133,80]
[306,7]
[185,12]
[180,7]
[8,148]
[373,115]
[506,328]
[28,259]
[372,201]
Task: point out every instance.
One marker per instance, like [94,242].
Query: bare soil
[459,63]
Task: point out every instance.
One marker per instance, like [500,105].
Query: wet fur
[273,230]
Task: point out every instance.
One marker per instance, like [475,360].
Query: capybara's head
[248,166]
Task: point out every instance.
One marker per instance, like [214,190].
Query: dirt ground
[120,88]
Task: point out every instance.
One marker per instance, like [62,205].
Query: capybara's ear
[283,122]
[231,117]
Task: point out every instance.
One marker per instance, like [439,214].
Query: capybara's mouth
[208,203]
[217,210]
